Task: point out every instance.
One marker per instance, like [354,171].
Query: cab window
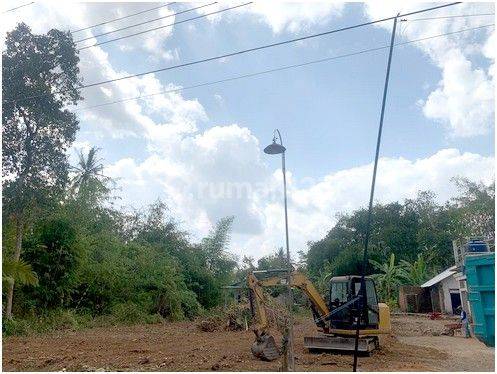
[338,294]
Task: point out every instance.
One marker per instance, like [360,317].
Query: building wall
[447,285]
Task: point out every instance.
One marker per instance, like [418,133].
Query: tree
[276,260]
[88,180]
[415,273]
[388,277]
[475,209]
[218,261]
[54,254]
[40,78]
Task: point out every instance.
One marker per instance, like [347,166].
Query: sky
[200,149]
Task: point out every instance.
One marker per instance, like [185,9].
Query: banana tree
[388,277]
[415,273]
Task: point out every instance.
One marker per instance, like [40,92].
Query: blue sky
[439,121]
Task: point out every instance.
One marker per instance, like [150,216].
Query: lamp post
[274,149]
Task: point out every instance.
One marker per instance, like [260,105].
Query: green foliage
[37,133]
[48,321]
[388,277]
[88,184]
[276,260]
[19,272]
[129,313]
[475,209]
[53,253]
[418,232]
[415,273]
[39,80]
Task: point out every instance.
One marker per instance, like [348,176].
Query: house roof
[440,277]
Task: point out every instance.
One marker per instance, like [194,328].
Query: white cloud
[291,16]
[463,101]
[464,98]
[202,176]
[171,113]
[219,172]
[312,210]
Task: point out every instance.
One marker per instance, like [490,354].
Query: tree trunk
[17,256]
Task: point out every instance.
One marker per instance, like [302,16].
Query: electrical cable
[145,22]
[123,17]
[451,16]
[17,7]
[163,26]
[245,50]
[287,67]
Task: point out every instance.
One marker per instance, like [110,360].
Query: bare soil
[414,345]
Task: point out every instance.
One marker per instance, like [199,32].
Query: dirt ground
[415,345]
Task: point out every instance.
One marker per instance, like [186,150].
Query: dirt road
[182,347]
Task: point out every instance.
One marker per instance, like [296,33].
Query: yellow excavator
[335,319]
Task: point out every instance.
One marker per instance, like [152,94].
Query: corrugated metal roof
[440,277]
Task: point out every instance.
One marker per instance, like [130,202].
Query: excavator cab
[343,290]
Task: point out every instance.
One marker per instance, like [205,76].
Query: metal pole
[363,299]
[290,358]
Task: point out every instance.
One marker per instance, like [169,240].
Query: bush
[53,254]
[15,327]
[58,319]
[130,313]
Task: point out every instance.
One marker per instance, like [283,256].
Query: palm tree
[19,272]
[388,277]
[88,181]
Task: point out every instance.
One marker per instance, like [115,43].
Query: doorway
[455,299]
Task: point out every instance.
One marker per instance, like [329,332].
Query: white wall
[449,283]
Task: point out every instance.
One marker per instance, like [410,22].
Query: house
[414,299]
[444,291]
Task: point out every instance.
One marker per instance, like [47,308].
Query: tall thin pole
[290,358]
[363,297]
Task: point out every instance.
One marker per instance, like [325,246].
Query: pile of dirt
[235,317]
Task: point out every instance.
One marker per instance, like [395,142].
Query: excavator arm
[265,347]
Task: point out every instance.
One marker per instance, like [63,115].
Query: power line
[163,26]
[287,67]
[120,18]
[17,7]
[451,16]
[143,23]
[247,50]
[260,47]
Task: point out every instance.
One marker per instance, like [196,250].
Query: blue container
[474,246]
[480,278]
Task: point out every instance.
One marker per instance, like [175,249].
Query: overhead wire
[121,18]
[286,67]
[248,50]
[450,16]
[17,7]
[164,26]
[144,22]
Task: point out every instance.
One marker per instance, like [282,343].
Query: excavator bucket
[264,348]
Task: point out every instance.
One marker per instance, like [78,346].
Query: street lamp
[274,149]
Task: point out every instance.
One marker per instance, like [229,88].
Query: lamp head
[274,148]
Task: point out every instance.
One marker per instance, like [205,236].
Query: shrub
[15,327]
[130,313]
